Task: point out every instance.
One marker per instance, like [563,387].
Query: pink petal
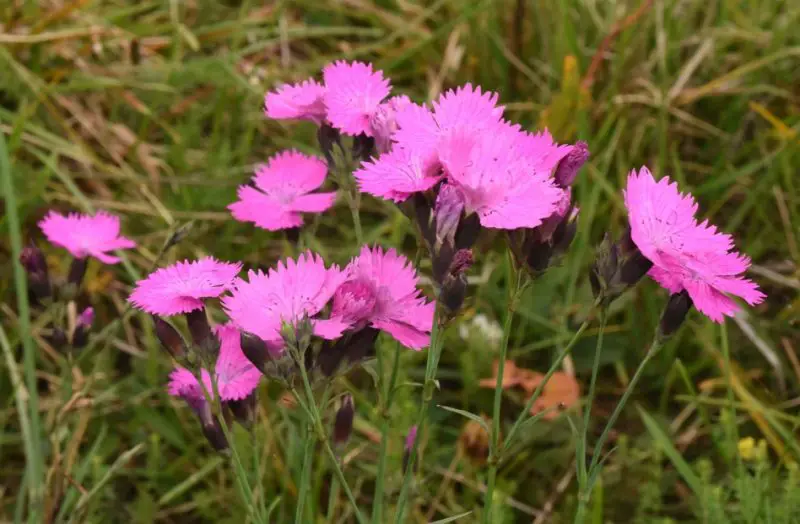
[236,375]
[302,101]
[84,235]
[396,175]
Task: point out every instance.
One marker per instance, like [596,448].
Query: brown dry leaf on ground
[474,440]
[561,392]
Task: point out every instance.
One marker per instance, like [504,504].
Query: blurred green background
[153,110]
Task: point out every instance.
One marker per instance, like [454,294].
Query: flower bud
[363,146]
[352,347]
[244,410]
[617,267]
[410,439]
[674,314]
[343,425]
[82,327]
[327,137]
[454,287]
[32,259]
[570,165]
[211,426]
[58,339]
[170,339]
[255,350]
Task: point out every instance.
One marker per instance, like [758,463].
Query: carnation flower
[381,291]
[301,101]
[498,177]
[398,174]
[236,376]
[383,121]
[286,294]
[86,235]
[353,92]
[282,191]
[686,254]
[181,287]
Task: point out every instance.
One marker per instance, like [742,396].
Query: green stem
[319,429]
[305,475]
[494,451]
[598,448]
[354,204]
[730,422]
[523,416]
[432,363]
[377,504]
[590,398]
[33,447]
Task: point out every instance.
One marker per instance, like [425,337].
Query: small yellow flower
[747,448]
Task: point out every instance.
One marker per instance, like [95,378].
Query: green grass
[153,110]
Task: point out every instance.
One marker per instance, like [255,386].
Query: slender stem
[333,496]
[598,448]
[33,447]
[590,398]
[320,435]
[523,416]
[730,421]
[494,451]
[386,404]
[305,475]
[437,342]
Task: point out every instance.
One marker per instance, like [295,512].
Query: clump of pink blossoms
[86,235]
[283,190]
[686,255]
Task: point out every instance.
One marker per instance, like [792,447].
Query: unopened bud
[82,327]
[255,350]
[363,146]
[454,287]
[674,314]
[409,446]
[32,259]
[170,339]
[328,136]
[244,410]
[211,426]
[570,165]
[343,425]
[353,348]
[58,339]
[618,266]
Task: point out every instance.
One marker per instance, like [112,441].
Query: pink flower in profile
[282,191]
[398,174]
[301,101]
[181,287]
[236,376]
[383,121]
[353,93]
[86,235]
[498,178]
[686,254]
[381,291]
[291,291]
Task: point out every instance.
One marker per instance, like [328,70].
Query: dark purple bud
[170,339]
[410,439]
[674,314]
[58,339]
[363,147]
[343,425]
[244,410]
[292,235]
[570,165]
[617,267]
[82,327]
[32,259]
[199,328]
[255,350]
[212,429]
[327,137]
[352,347]
[77,269]
[454,287]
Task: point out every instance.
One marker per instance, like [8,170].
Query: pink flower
[353,94]
[381,291]
[301,101]
[398,174]
[383,121]
[236,376]
[498,177]
[289,292]
[282,191]
[181,287]
[86,235]
[686,254]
